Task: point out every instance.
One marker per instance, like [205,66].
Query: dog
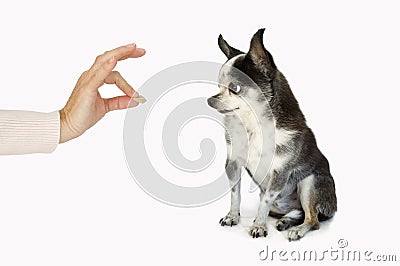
[267,135]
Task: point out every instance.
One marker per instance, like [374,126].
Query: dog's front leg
[274,187]
[233,171]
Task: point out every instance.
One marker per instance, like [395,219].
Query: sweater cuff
[23,132]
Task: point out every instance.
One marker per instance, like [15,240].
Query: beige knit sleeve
[23,132]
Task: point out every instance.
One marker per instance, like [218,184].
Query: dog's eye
[234,88]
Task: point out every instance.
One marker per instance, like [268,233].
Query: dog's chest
[253,145]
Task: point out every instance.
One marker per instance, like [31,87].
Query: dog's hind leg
[233,171]
[292,218]
[309,201]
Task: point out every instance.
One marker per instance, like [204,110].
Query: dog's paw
[229,220]
[283,224]
[295,233]
[258,230]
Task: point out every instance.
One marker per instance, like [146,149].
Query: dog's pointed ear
[227,49]
[259,55]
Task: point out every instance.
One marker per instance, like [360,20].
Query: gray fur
[299,180]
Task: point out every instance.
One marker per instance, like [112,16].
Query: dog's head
[245,78]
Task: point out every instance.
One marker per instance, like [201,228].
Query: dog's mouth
[225,111]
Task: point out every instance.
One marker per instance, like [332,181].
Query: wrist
[66,130]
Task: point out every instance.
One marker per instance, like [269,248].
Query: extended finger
[115,78]
[120,53]
[106,62]
[119,103]
[139,52]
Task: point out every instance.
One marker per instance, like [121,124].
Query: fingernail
[141,50]
[132,104]
[131,45]
[111,60]
[139,99]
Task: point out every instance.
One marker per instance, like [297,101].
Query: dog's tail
[327,203]
[275,215]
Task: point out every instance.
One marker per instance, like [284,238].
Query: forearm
[23,132]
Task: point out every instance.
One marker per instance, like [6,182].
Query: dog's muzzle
[213,102]
[216,104]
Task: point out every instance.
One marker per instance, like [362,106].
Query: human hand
[85,106]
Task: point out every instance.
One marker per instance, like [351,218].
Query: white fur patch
[283,136]
[294,214]
[278,163]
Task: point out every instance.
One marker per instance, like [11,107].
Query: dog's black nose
[212,102]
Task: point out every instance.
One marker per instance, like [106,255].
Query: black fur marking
[275,215]
[282,149]
[248,171]
[286,223]
[228,138]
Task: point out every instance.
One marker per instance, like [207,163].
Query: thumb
[119,103]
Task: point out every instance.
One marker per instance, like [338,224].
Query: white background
[80,206]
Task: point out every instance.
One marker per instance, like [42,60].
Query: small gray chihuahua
[268,136]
